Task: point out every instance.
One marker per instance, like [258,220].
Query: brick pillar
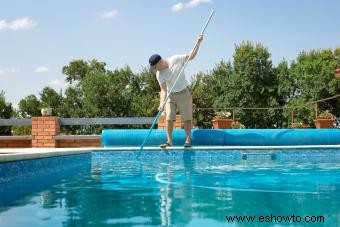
[178,124]
[44,130]
[161,123]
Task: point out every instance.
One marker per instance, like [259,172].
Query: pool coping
[17,154]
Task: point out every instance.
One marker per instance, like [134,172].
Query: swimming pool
[173,188]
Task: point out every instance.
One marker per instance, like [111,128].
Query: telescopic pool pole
[170,91]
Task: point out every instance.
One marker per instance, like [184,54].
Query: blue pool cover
[224,137]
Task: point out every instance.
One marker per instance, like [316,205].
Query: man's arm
[194,51]
[162,96]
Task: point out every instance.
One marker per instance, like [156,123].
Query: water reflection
[197,188]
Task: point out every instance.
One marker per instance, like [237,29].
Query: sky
[39,37]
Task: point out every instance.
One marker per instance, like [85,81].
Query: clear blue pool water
[175,188]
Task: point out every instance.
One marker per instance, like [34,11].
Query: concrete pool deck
[17,154]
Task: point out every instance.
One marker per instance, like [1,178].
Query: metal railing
[149,120]
[291,109]
[15,122]
[107,121]
[84,121]
[84,125]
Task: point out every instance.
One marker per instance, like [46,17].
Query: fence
[293,110]
[46,131]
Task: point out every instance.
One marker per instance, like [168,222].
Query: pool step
[271,154]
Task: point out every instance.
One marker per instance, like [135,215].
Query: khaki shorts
[181,100]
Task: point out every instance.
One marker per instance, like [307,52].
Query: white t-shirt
[170,74]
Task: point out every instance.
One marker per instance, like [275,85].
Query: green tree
[301,111]
[314,73]
[50,98]
[75,104]
[255,85]
[6,111]
[211,90]
[72,105]
[334,85]
[78,69]
[144,92]
[249,80]
[287,90]
[29,107]
[107,94]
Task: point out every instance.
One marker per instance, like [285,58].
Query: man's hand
[199,38]
[161,106]
[193,52]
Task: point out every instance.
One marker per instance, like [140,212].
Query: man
[167,71]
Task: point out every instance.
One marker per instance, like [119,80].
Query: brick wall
[45,131]
[15,143]
[79,143]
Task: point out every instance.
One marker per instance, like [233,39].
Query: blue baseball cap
[153,60]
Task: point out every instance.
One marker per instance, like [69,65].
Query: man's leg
[185,107]
[170,110]
[187,128]
[169,129]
